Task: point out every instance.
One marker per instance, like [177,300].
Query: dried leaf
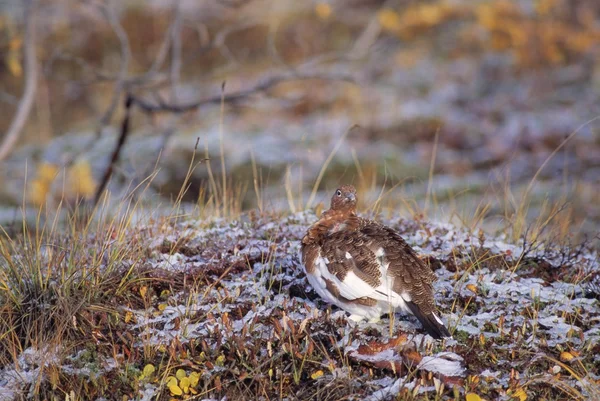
[128,316]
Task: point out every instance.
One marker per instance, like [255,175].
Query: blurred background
[477,112]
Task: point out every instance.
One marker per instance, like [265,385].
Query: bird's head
[344,199]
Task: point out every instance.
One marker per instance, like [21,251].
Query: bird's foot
[356,318]
[375,319]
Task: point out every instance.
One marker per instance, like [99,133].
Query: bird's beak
[351,197]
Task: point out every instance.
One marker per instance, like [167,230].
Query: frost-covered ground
[231,316]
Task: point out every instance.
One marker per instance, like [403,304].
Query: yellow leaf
[175,390]
[473,397]
[566,356]
[162,307]
[180,374]
[128,316]
[194,378]
[164,293]
[520,394]
[323,10]
[220,360]
[171,381]
[472,288]
[184,384]
[148,370]
[143,291]
[316,375]
[388,19]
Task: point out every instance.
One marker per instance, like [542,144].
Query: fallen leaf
[566,356]
[472,397]
[316,375]
[472,288]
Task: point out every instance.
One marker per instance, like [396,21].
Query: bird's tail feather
[431,322]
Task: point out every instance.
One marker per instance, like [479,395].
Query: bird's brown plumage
[362,266]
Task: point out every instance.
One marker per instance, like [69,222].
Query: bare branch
[161,106]
[20,118]
[116,152]
[175,51]
[113,20]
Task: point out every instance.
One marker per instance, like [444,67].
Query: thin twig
[20,118]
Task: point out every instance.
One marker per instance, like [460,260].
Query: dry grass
[68,288]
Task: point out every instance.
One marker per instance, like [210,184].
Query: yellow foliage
[546,37]
[148,369]
[316,374]
[388,19]
[323,10]
[174,389]
[194,378]
[519,394]
[472,397]
[80,180]
[180,374]
[566,356]
[184,384]
[13,57]
[128,316]
[220,360]
[40,186]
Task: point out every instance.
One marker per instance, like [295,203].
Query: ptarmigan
[367,268]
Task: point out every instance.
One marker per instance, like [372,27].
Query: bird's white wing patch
[353,287]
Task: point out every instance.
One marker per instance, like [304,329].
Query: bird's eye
[338,193]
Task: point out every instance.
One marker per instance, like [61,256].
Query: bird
[366,268]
